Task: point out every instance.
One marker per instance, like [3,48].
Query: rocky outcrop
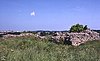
[76,39]
[20,35]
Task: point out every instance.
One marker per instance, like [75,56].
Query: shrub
[85,27]
[77,28]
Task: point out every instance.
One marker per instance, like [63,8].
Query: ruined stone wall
[77,38]
[74,39]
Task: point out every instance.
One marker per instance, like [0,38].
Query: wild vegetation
[38,46]
[78,28]
[29,48]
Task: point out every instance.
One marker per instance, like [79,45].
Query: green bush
[77,28]
[85,27]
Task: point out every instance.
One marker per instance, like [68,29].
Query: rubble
[78,38]
[72,38]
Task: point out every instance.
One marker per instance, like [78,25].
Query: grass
[33,49]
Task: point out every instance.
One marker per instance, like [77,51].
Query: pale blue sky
[48,14]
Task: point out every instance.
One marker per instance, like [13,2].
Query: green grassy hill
[34,49]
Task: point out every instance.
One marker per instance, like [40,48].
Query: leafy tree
[85,27]
[77,28]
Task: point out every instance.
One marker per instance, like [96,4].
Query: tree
[85,27]
[77,28]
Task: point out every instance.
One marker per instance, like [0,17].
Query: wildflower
[12,50]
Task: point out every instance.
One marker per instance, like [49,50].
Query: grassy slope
[31,49]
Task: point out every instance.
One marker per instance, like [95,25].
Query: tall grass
[33,49]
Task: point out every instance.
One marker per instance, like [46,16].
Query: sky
[48,14]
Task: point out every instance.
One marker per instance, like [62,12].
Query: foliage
[77,28]
[32,49]
[85,27]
